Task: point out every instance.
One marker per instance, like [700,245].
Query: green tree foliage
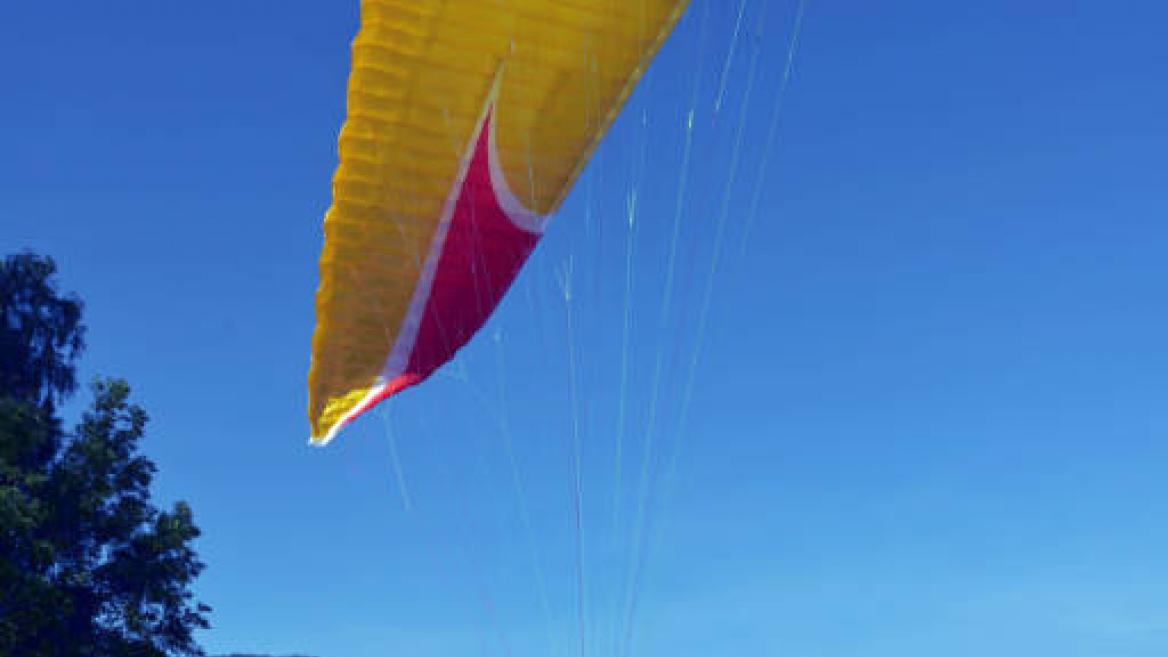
[41,334]
[89,567]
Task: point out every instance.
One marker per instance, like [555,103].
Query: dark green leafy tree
[89,567]
[41,334]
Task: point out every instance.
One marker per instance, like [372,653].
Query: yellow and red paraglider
[468,121]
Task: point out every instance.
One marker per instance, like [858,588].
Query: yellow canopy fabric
[457,109]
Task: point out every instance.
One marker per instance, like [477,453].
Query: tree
[41,334]
[89,567]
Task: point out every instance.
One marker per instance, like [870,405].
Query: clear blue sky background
[929,413]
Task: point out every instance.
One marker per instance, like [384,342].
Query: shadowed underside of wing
[467,123]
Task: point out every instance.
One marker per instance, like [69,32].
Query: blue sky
[928,404]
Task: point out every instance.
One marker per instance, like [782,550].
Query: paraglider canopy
[468,122]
